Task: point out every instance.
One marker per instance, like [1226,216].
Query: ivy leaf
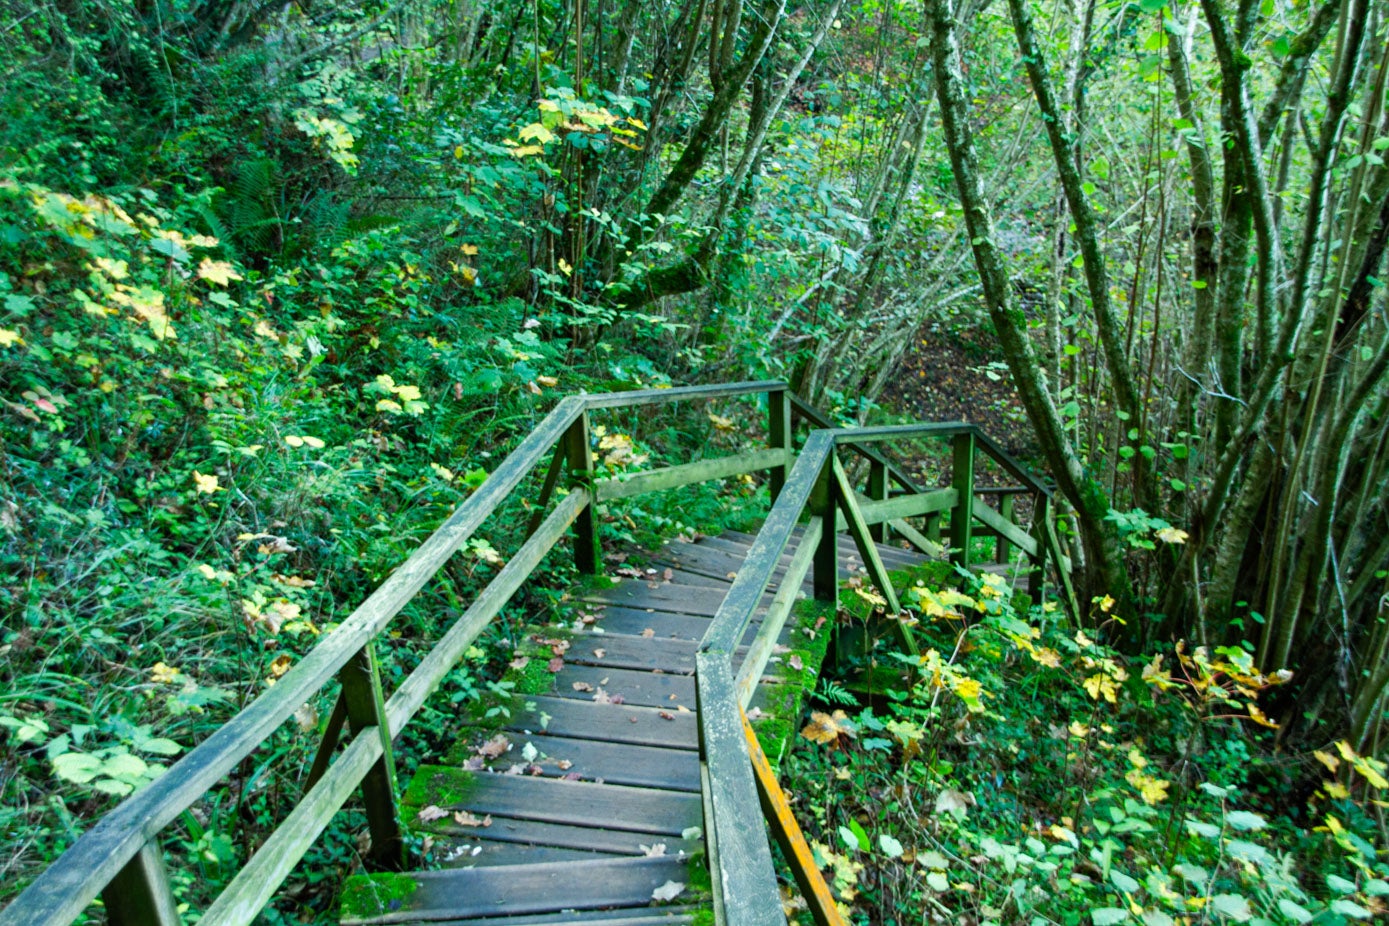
[890,846]
[1108,916]
[1232,906]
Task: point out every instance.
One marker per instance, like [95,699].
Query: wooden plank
[752,666]
[813,415]
[242,900]
[779,435]
[908,506]
[679,573]
[647,689]
[787,833]
[511,831]
[140,894]
[519,889]
[547,490]
[572,803]
[1006,530]
[877,491]
[962,481]
[661,596]
[666,624]
[747,881]
[746,592]
[588,554]
[866,547]
[366,709]
[462,852]
[614,723]
[672,477]
[624,916]
[1007,505]
[624,651]
[636,397]
[926,545]
[594,760]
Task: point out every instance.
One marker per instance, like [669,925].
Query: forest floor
[959,376]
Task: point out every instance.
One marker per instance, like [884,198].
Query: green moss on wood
[437,785]
[367,896]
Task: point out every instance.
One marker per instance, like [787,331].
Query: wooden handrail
[120,854]
[62,891]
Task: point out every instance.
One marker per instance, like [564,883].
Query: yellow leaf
[1260,717]
[536,131]
[220,272]
[207,571]
[721,423]
[408,393]
[294,440]
[1172,535]
[205,484]
[165,674]
[314,442]
[1335,790]
[386,405]
[469,249]
[1099,686]
[526,151]
[9,336]
[281,665]
[827,728]
[550,381]
[1106,604]
[444,473]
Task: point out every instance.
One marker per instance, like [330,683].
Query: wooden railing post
[1037,575]
[139,895]
[366,707]
[779,437]
[587,552]
[824,502]
[1005,508]
[962,481]
[877,491]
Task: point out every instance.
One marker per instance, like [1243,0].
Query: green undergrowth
[1021,771]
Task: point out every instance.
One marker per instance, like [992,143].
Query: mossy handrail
[740,859]
[119,856]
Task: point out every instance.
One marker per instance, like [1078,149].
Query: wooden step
[549,800]
[594,760]
[627,916]
[649,689]
[614,723]
[511,890]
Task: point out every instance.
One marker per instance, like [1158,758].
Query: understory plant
[1025,772]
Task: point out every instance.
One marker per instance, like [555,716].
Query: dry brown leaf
[564,765]
[432,812]
[655,850]
[668,891]
[827,728]
[795,662]
[464,818]
[494,747]
[599,653]
[582,686]
[556,664]
[520,662]
[666,715]
[648,633]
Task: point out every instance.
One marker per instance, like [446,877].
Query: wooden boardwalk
[582,805]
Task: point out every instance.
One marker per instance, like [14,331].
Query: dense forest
[280,283]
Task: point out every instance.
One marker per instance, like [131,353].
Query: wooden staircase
[582,805]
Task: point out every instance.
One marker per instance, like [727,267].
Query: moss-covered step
[547,888]
[573,803]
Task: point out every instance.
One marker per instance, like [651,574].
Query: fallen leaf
[582,686]
[520,662]
[795,662]
[556,664]
[654,851]
[432,812]
[464,818]
[666,715]
[668,575]
[827,728]
[306,717]
[281,665]
[648,633]
[601,697]
[564,765]
[668,891]
[494,747]
[599,653]
[756,714]
[950,800]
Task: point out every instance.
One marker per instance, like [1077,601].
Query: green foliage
[1030,774]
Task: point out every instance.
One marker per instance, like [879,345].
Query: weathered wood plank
[625,651]
[140,894]
[511,831]
[463,852]
[665,624]
[366,709]
[962,481]
[926,545]
[526,889]
[550,800]
[751,668]
[672,477]
[614,723]
[1003,527]
[594,760]
[661,596]
[748,889]
[867,548]
[647,689]
[624,916]
[908,506]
